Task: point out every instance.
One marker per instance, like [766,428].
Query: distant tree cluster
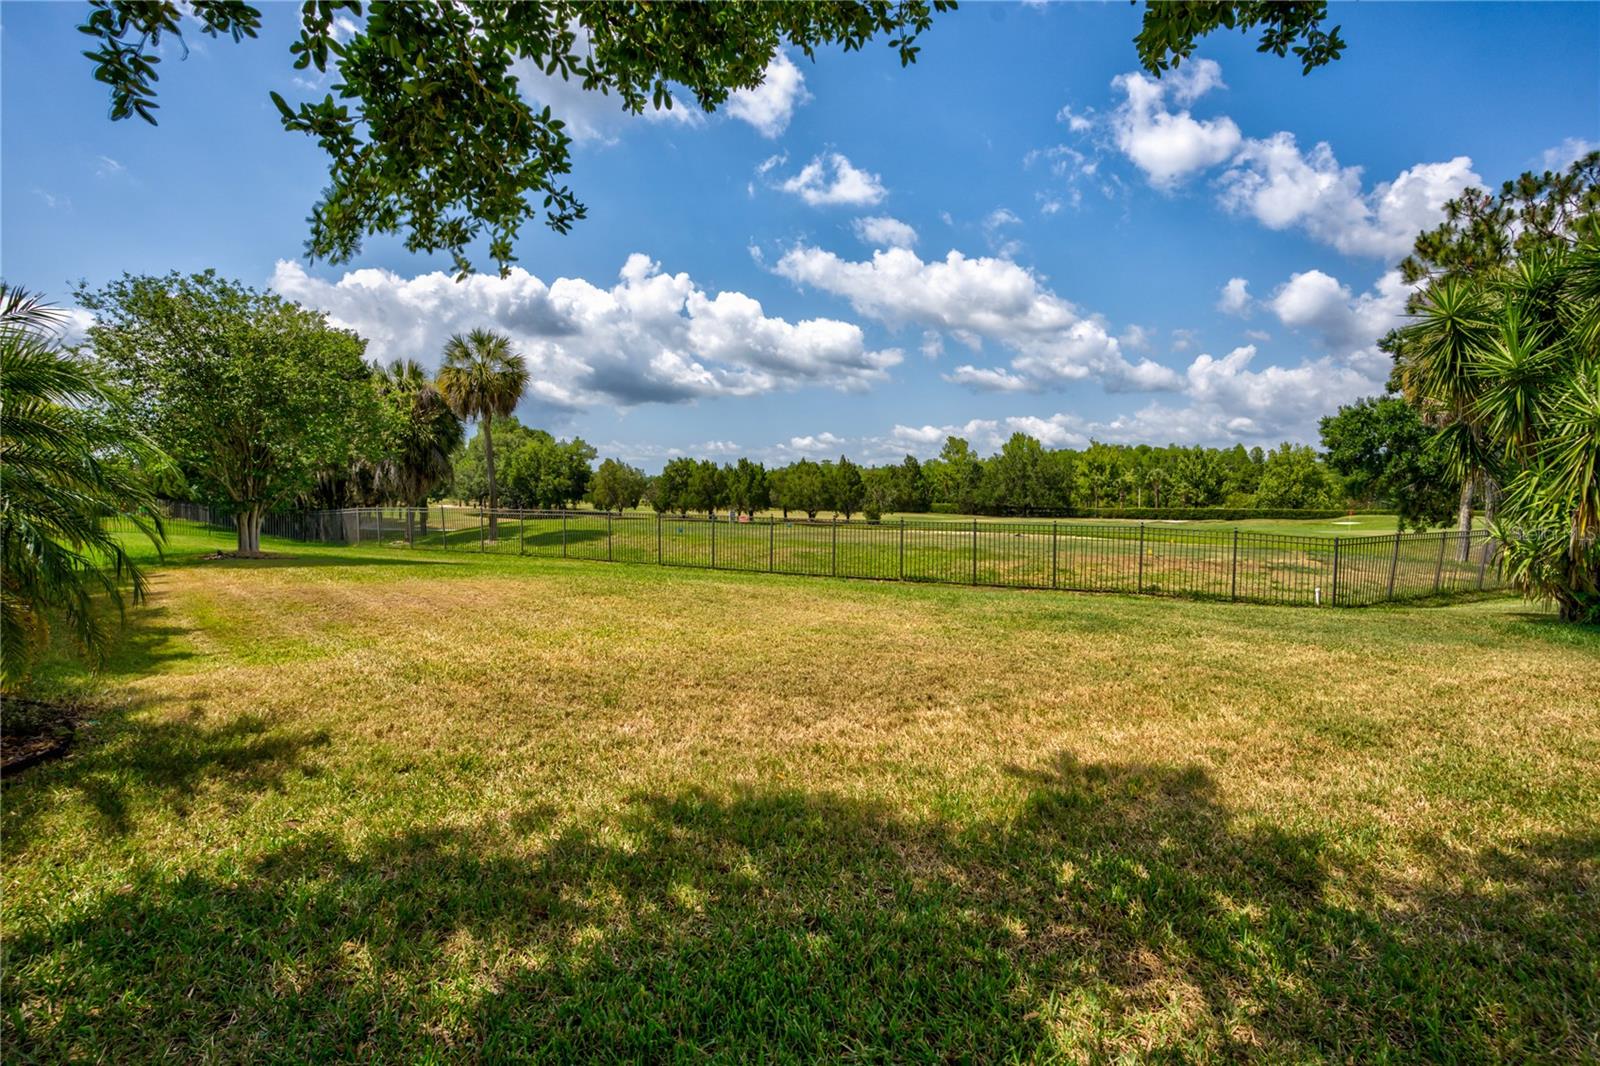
[1386,452]
[616,486]
[1023,478]
[1026,478]
[537,470]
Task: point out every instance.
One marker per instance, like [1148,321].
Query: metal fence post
[974,551]
[1053,532]
[1333,598]
[480,529]
[1483,562]
[772,544]
[610,555]
[1394,563]
[1438,570]
[563,534]
[835,546]
[661,559]
[1139,581]
[1233,578]
[902,549]
[444,529]
[713,521]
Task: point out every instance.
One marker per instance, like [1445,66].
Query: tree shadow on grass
[1548,626]
[1121,912]
[118,754]
[554,538]
[148,641]
[279,560]
[128,764]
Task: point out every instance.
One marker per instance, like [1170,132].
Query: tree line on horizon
[1022,478]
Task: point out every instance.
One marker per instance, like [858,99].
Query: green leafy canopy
[253,397]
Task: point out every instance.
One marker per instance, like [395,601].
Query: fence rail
[1151,558]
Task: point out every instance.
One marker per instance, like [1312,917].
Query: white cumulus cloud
[1236,398]
[881,231]
[1167,145]
[594,116]
[1232,398]
[832,179]
[1235,297]
[1283,187]
[770,106]
[652,337]
[1569,151]
[816,443]
[974,300]
[1272,179]
[1344,323]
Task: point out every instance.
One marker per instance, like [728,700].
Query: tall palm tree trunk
[1463,519]
[488,467]
[1491,507]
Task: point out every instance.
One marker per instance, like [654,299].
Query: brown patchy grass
[360,803]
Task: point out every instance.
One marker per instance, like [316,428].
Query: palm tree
[1541,399]
[483,378]
[417,459]
[1505,362]
[1437,365]
[67,472]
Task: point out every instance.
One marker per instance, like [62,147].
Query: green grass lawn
[434,806]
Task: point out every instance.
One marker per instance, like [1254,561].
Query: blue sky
[1018,232]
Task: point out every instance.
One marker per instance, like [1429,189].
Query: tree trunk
[248,524]
[1491,507]
[1464,519]
[488,469]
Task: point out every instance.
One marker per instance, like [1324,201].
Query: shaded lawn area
[354,803]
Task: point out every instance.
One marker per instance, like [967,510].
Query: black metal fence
[322,527]
[1152,558]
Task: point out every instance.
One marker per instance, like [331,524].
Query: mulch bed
[32,731]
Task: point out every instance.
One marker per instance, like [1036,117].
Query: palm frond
[68,469]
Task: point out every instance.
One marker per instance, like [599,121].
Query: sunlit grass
[374,804]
